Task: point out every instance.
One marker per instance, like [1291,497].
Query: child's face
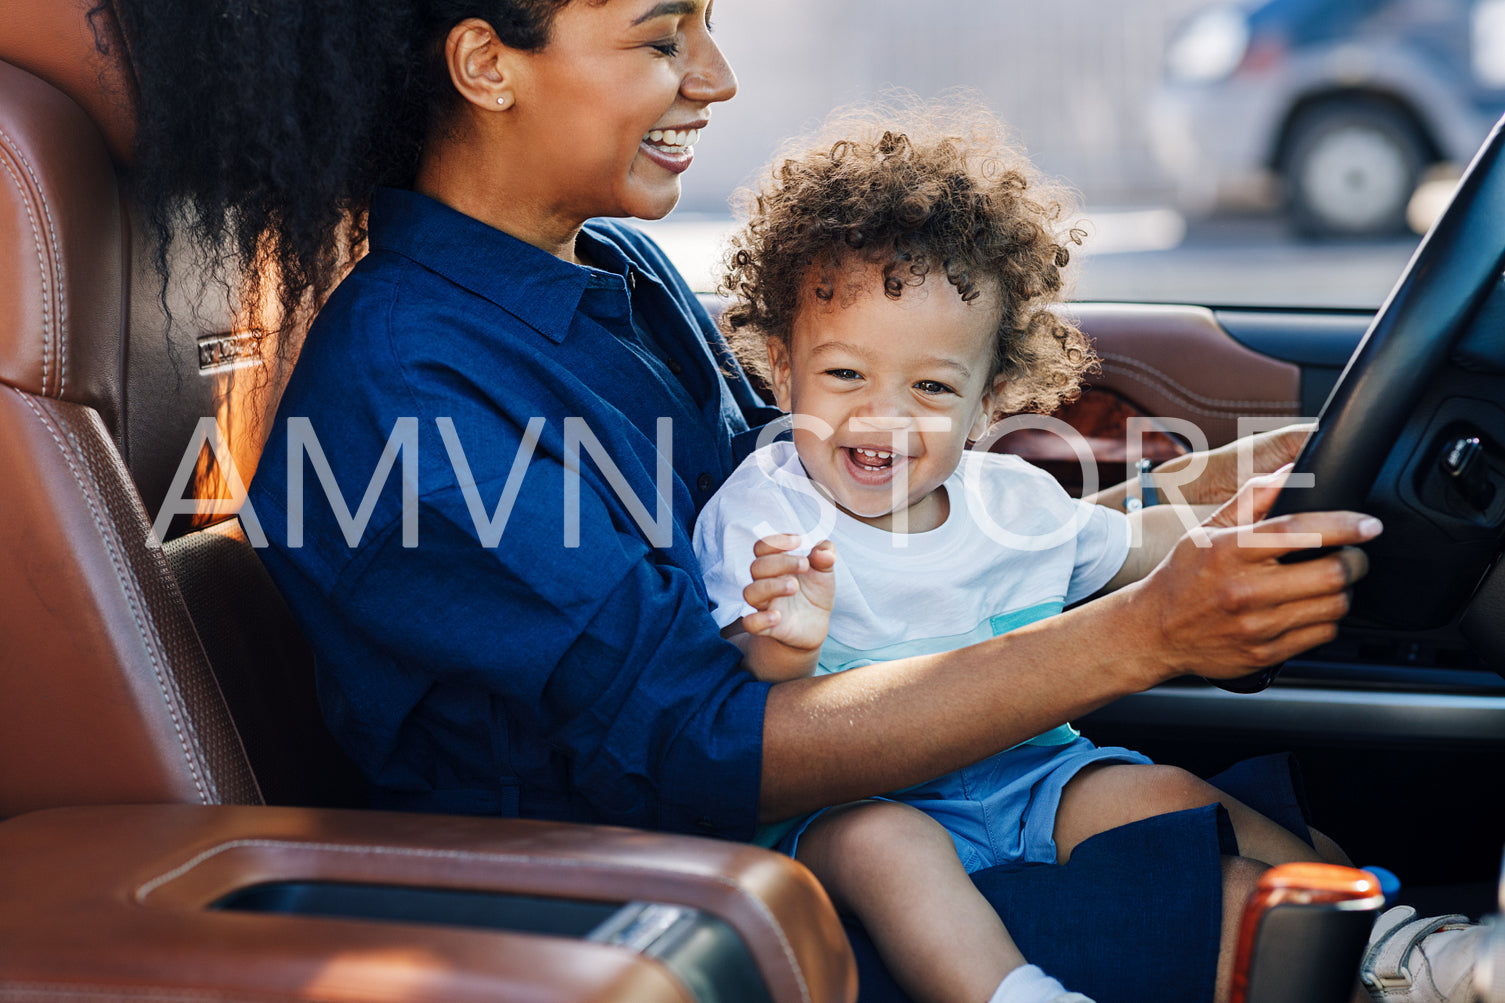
[889,391]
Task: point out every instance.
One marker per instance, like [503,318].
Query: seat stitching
[1223,405]
[470,855]
[57,258]
[123,579]
[41,263]
[1140,364]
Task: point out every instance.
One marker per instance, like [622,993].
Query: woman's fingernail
[1370,527]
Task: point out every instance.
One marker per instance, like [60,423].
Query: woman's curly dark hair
[263,125]
[912,188]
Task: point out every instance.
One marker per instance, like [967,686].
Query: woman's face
[606,113]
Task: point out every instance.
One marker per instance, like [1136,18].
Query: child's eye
[933,387]
[844,374]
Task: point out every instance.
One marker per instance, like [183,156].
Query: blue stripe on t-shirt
[838,657]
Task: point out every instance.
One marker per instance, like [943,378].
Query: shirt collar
[532,285]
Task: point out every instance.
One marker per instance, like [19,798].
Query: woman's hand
[1214,476]
[1223,605]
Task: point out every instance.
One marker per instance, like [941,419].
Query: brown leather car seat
[153,694]
[116,690]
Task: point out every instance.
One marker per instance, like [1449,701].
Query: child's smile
[874,463]
[873,467]
[887,392]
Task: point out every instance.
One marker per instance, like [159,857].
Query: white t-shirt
[1014,548]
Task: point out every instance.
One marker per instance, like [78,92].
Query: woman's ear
[779,373]
[480,66]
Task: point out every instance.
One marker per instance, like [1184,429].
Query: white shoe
[1412,960]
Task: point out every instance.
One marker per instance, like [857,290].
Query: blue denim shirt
[568,669]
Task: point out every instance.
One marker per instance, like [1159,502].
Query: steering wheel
[1414,431]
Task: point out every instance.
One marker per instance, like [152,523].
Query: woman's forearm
[1221,606]
[861,732]
[1155,531]
[1212,476]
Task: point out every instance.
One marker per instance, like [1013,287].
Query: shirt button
[705,482]
[632,278]
[675,366]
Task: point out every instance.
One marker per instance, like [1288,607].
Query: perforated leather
[108,696]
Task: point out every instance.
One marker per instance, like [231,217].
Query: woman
[550,653]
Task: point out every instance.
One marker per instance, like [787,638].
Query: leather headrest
[62,284]
[81,305]
[59,41]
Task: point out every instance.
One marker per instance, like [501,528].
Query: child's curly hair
[909,188]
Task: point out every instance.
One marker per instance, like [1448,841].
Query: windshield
[1286,153]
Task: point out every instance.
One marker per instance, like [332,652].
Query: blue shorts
[1136,913]
[1003,809]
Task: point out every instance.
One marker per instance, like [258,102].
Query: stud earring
[502,101]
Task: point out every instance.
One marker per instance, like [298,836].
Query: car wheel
[1350,169]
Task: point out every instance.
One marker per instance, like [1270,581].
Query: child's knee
[875,830]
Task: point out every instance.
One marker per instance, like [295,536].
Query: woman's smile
[673,149]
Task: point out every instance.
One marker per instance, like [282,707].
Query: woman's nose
[710,78]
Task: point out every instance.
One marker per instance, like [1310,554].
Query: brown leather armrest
[117,901]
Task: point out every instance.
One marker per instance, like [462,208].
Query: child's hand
[792,594]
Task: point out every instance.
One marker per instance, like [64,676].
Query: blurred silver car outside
[1335,110]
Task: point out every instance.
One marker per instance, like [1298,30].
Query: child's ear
[779,373]
[986,410]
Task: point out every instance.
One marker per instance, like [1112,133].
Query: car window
[1278,153]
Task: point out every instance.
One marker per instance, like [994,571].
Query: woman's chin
[656,205]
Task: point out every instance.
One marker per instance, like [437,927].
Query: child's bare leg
[896,869]
[1106,795]
[1329,851]
[1240,875]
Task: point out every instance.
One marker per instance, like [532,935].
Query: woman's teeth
[673,140]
